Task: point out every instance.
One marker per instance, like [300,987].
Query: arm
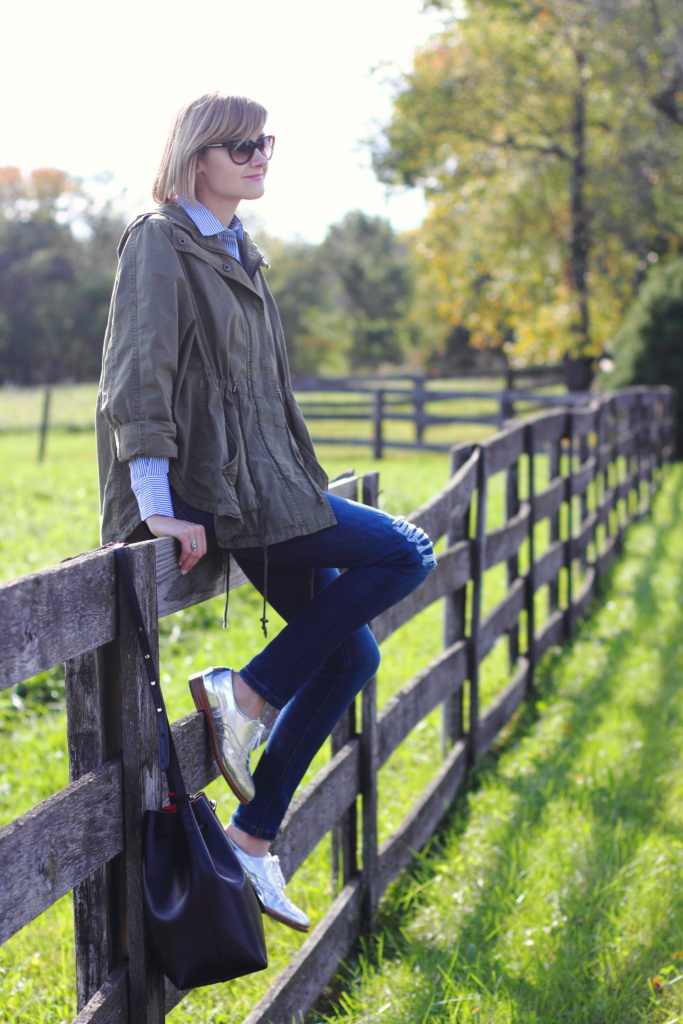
[149,481]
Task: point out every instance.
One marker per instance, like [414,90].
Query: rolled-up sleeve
[140,362]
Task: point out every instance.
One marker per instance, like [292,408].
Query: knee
[417,546]
[361,656]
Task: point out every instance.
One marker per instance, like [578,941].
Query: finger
[193,546]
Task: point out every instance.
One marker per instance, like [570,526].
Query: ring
[193,545]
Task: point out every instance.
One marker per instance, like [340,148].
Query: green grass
[553,895]
[49,513]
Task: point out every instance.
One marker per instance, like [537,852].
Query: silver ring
[193,545]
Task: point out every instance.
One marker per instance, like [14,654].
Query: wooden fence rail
[424,403]
[571,479]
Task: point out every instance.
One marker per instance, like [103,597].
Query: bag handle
[168,758]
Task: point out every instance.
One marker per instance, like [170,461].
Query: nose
[258,159]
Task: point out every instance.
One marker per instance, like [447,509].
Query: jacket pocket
[237,470]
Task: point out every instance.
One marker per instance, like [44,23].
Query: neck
[225,211]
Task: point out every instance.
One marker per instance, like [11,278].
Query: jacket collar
[252,257]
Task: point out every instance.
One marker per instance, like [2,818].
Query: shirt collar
[206,222]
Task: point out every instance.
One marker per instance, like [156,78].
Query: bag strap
[168,758]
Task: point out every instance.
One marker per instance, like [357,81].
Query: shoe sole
[281,920]
[201,702]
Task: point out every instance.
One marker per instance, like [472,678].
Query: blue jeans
[325,654]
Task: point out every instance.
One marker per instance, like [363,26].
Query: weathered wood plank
[501,618]
[406,709]
[583,599]
[109,1005]
[548,501]
[584,419]
[504,448]
[547,428]
[500,711]
[451,501]
[584,536]
[141,782]
[424,817]
[549,563]
[56,614]
[582,477]
[296,989]
[57,844]
[453,571]
[552,633]
[505,541]
[319,807]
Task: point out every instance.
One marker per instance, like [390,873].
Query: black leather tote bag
[203,917]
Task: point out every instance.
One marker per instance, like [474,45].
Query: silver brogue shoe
[265,875]
[234,736]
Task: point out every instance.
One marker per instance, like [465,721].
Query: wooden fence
[572,480]
[424,403]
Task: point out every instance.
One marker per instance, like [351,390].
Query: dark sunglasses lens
[242,152]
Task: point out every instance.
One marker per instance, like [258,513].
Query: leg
[385,559]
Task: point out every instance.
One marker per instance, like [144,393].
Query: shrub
[649,346]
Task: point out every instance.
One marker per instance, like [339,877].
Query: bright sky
[92,87]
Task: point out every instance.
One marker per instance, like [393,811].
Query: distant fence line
[576,476]
[378,401]
[408,398]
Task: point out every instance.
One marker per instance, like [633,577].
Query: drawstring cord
[264,617]
[226,556]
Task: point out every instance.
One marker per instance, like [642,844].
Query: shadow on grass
[576,986]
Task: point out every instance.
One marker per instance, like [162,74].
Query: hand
[187,535]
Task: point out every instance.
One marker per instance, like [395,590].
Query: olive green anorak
[195,370]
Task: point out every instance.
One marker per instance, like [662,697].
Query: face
[221,184]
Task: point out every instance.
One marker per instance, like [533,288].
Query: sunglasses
[242,152]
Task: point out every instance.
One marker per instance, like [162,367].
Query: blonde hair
[211,118]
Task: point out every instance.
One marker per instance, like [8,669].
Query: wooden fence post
[93,735]
[378,423]
[530,598]
[141,783]
[568,560]
[44,424]
[419,398]
[478,563]
[455,617]
[512,506]
[368,769]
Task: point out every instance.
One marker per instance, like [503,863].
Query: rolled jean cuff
[263,691]
[255,833]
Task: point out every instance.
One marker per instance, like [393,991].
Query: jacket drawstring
[264,617]
[226,556]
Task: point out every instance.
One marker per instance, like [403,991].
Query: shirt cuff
[149,481]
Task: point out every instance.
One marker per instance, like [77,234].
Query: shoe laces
[255,740]
[275,872]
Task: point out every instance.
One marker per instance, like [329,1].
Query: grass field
[48,513]
[553,895]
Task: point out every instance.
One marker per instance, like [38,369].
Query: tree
[551,181]
[343,303]
[648,348]
[57,265]
[375,273]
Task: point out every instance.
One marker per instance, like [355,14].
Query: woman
[199,436]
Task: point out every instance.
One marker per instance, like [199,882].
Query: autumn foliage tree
[552,179]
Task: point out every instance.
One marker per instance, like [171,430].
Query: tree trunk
[580,241]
